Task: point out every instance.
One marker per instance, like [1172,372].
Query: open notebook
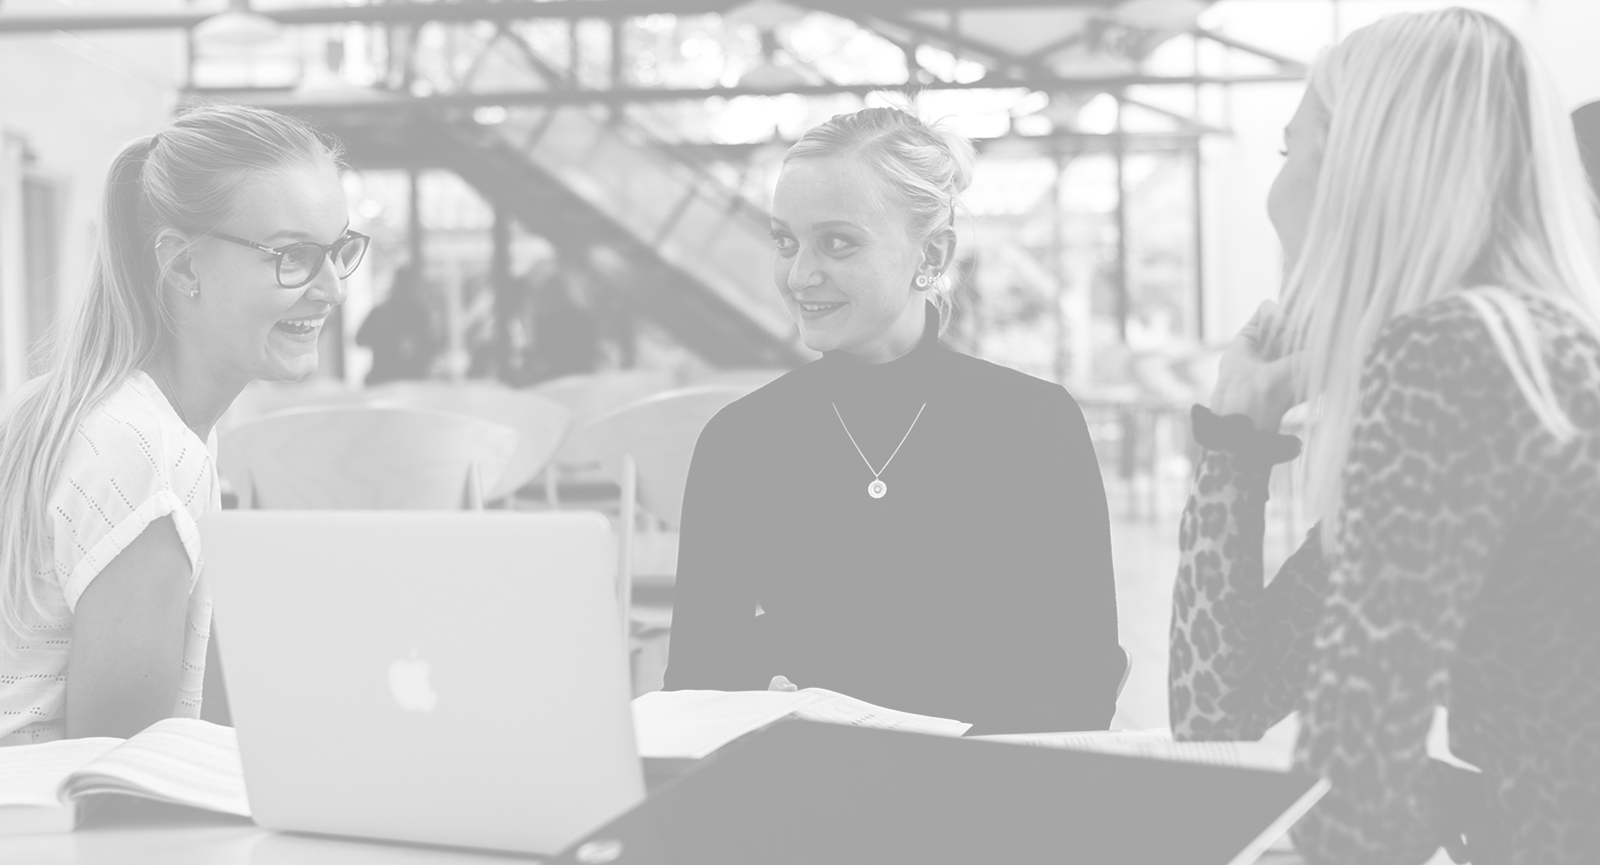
[1159,744]
[1274,750]
[45,788]
[690,725]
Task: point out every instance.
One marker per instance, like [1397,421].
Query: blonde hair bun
[924,166]
[962,154]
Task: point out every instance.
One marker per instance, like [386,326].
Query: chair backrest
[542,424]
[590,396]
[751,377]
[364,457]
[1127,670]
[659,433]
[261,398]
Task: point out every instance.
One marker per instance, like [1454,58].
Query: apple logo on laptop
[408,681]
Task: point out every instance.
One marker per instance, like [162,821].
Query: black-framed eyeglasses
[299,263]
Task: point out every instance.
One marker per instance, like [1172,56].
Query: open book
[183,761]
[1159,744]
[679,725]
[1274,751]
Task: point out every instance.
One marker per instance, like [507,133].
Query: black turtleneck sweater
[978,588]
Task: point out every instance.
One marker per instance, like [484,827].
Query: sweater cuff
[1235,434]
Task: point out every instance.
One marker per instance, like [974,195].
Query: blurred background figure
[615,327]
[566,340]
[404,331]
[554,330]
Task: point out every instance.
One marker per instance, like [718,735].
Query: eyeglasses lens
[348,256]
[298,264]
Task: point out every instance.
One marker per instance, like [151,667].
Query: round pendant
[876,489]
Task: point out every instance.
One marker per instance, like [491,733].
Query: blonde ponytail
[183,178]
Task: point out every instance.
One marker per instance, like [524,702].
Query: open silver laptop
[452,678]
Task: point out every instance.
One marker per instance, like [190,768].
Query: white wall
[77,99]
[1242,256]
[1566,35]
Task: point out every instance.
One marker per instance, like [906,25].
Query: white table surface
[145,833]
[142,833]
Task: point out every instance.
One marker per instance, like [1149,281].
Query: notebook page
[693,724]
[831,707]
[32,774]
[1158,744]
[181,760]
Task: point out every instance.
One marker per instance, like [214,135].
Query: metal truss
[473,10]
[891,20]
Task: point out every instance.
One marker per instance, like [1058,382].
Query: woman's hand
[780,683]
[1249,383]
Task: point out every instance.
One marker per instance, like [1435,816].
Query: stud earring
[923,281]
[191,291]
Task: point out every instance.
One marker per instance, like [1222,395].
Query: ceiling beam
[383,101]
[1283,60]
[1039,55]
[1064,141]
[876,21]
[1014,146]
[1189,123]
[475,10]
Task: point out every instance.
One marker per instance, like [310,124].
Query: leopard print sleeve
[1240,647]
[1427,499]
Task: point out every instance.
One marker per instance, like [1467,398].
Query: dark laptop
[825,794]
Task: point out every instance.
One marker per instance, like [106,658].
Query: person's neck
[195,390]
[901,339]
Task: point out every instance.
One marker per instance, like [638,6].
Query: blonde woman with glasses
[223,243]
[1442,320]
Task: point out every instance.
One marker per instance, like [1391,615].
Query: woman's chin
[823,331]
[289,368]
[288,357]
[818,340]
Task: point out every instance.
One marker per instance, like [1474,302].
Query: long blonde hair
[1449,167]
[184,177]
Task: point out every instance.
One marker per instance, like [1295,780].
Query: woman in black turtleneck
[896,521]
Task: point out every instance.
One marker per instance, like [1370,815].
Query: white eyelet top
[132,461]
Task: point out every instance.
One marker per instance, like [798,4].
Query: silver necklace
[877,488]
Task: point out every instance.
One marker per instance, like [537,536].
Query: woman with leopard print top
[1443,307]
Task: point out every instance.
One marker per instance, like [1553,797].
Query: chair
[541,423]
[588,397]
[648,446]
[751,378]
[1127,670]
[364,458]
[659,434]
[268,397]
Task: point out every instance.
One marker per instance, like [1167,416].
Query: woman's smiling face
[242,321]
[846,260]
